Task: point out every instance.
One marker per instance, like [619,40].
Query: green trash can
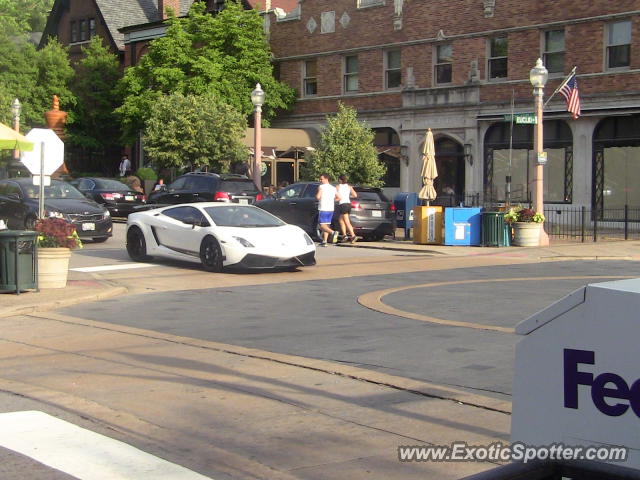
[495,231]
[18,263]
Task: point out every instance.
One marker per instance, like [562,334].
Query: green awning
[12,140]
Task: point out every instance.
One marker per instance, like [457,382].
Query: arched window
[387,143]
[519,162]
[616,162]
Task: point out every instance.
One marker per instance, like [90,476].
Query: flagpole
[564,82]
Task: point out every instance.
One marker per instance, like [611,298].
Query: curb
[104,293]
[416,387]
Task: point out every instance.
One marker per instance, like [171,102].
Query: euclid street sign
[522,118]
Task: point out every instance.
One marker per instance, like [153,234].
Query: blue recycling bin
[462,226]
[404,203]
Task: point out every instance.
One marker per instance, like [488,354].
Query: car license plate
[376,213]
[129,198]
[88,227]
[243,201]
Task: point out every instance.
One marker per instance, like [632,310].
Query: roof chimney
[172,4]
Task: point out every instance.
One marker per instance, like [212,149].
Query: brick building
[455,67]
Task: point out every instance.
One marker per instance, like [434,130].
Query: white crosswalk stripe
[82,453]
[105,268]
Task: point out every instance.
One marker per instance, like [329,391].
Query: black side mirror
[191,221]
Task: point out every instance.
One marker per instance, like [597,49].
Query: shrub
[146,173]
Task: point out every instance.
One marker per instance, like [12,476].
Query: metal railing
[586,224]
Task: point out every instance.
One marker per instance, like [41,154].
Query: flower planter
[53,267]
[526,234]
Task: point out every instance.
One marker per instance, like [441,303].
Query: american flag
[570,92]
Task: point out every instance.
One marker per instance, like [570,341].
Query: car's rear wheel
[136,245]
[211,255]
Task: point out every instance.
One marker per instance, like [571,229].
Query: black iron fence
[586,224]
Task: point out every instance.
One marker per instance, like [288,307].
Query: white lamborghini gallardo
[219,235]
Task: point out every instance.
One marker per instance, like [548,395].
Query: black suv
[208,187]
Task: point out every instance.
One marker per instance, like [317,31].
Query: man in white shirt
[125,166]
[327,195]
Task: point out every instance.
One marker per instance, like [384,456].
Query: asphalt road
[322,318]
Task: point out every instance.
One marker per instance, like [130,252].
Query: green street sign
[522,118]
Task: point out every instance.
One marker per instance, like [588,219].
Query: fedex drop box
[577,371]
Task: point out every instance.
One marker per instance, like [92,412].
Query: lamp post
[257,98]
[16,108]
[538,77]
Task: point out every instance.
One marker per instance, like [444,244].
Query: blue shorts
[325,217]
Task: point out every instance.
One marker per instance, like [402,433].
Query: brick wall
[370,32]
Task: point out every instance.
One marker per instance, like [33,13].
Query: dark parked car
[372,213]
[119,199]
[19,207]
[208,187]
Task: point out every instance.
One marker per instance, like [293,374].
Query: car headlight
[243,242]
[106,214]
[307,239]
[52,214]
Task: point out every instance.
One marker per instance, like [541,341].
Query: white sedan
[219,235]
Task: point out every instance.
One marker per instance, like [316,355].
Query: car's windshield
[242,216]
[59,190]
[108,184]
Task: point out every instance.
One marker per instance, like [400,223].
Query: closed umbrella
[429,170]
[12,140]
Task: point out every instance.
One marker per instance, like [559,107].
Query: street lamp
[538,77]
[15,109]
[257,98]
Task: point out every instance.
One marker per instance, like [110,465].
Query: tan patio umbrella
[12,140]
[429,170]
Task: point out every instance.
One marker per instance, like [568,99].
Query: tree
[346,147]
[23,16]
[33,77]
[194,131]
[93,126]
[224,54]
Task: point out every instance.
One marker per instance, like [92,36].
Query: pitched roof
[121,13]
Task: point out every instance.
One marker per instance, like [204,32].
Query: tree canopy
[194,131]
[23,16]
[93,123]
[346,148]
[224,54]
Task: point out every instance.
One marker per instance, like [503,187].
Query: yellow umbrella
[429,170]
[12,140]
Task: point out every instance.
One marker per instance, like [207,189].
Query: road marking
[104,268]
[373,300]
[82,453]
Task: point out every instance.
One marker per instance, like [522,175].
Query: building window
[553,55]
[92,27]
[393,69]
[84,30]
[351,73]
[444,63]
[74,32]
[310,80]
[619,45]
[498,48]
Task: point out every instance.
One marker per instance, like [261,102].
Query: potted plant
[526,224]
[56,239]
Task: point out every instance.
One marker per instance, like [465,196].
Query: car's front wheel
[136,245]
[211,255]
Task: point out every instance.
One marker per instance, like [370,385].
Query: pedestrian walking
[125,166]
[327,195]
[346,193]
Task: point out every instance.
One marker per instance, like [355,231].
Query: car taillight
[142,198]
[221,197]
[393,207]
[259,197]
[355,205]
[109,196]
